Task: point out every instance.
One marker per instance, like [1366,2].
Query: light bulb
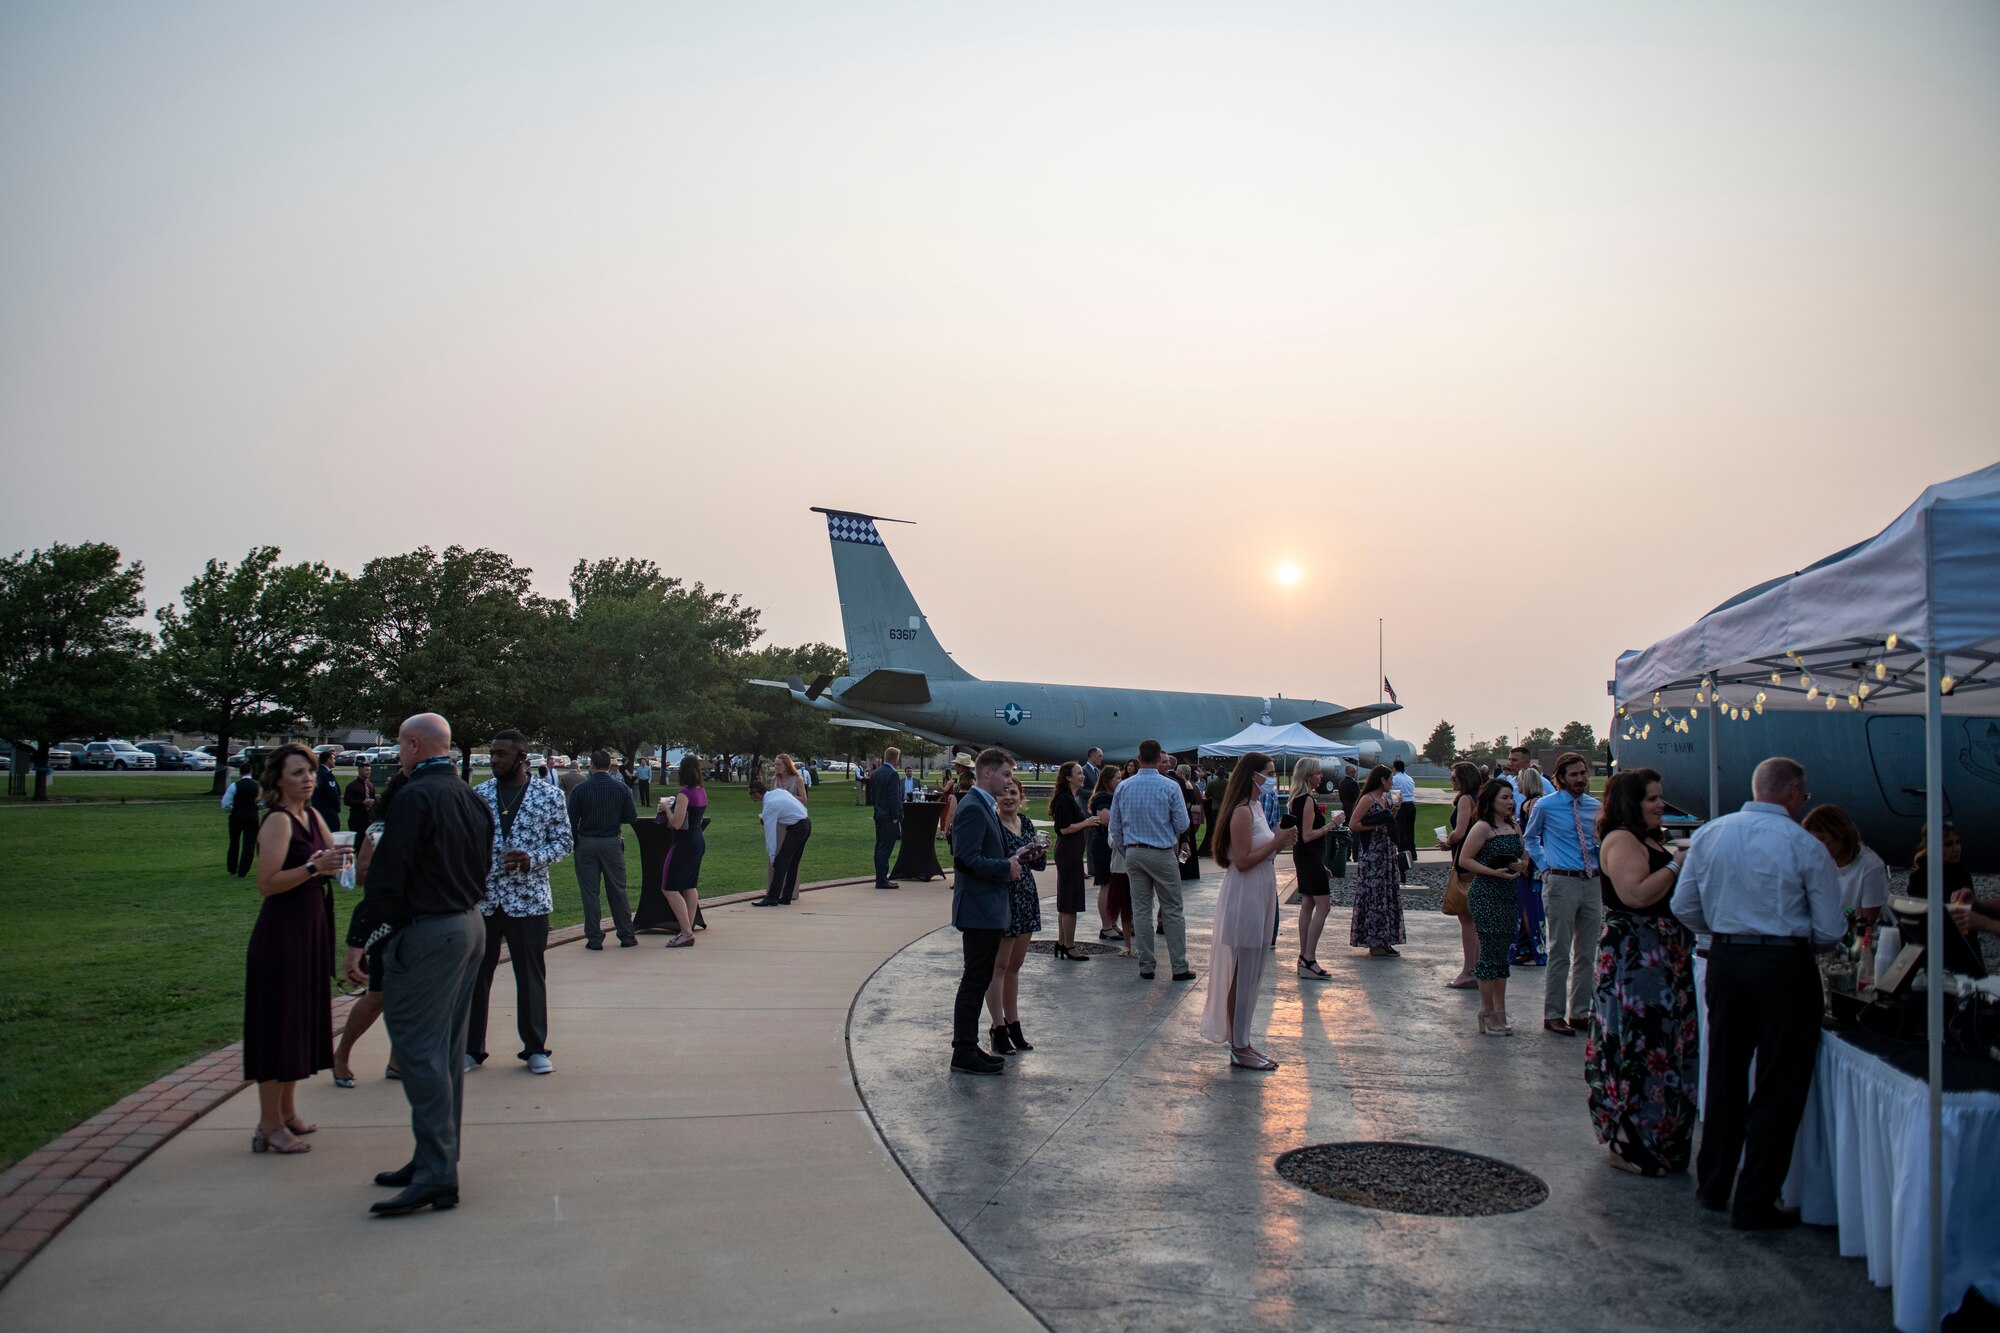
[1813,693]
[1891,645]
[1694,712]
[1656,698]
[1804,680]
[1863,691]
[1881,671]
[1656,712]
[1761,696]
[1760,710]
[1700,698]
[1829,703]
[1854,701]
[1947,685]
[1777,678]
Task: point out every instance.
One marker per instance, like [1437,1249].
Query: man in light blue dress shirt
[1561,839]
[1148,816]
[1767,894]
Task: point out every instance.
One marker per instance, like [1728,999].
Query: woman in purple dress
[287,999]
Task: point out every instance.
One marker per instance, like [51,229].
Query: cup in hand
[344,843]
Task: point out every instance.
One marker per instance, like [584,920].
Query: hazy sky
[1535,328]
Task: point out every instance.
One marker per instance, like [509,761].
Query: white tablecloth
[1862,1163]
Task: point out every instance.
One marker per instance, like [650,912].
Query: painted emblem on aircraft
[1013,714]
[853,528]
[1982,750]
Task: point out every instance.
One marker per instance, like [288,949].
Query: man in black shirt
[425,878]
[1350,790]
[359,799]
[885,793]
[241,803]
[599,810]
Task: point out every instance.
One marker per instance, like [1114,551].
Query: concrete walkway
[700,1159]
[1121,1175]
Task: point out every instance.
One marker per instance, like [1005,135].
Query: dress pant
[1406,832]
[1575,910]
[645,792]
[1764,1001]
[886,836]
[981,948]
[784,885]
[527,940]
[429,971]
[1156,872]
[242,847]
[603,858]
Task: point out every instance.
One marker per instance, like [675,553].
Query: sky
[1534,330]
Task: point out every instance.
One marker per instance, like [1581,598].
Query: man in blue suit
[885,793]
[981,887]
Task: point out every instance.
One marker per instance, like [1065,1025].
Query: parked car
[167,758]
[194,761]
[119,755]
[69,754]
[349,758]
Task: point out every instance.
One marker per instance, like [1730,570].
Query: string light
[1893,640]
[1947,685]
[1881,671]
[1812,693]
[1863,691]
[1829,703]
[1854,701]
[1777,678]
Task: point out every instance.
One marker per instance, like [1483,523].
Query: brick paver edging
[41,1193]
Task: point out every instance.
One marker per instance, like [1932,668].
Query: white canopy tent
[1906,622]
[1292,741]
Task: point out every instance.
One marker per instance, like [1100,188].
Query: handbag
[1455,902]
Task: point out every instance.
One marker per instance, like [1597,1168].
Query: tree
[238,656]
[1541,738]
[770,721]
[457,634]
[72,662]
[645,658]
[1580,737]
[1442,747]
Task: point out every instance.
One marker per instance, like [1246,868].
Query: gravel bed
[1430,899]
[1412,1178]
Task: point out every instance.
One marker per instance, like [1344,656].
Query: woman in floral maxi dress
[1642,1058]
[1377,923]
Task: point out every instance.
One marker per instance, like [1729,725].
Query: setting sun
[1288,574]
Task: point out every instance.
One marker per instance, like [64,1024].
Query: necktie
[1582,846]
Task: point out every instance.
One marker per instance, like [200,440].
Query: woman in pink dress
[1246,912]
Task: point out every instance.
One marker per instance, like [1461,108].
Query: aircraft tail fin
[885,628]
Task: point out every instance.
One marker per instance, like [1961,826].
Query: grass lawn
[124,936]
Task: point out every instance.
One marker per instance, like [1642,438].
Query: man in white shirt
[786,829]
[1768,895]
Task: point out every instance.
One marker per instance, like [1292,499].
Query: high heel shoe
[261,1142]
[1309,967]
[1492,1025]
[1003,1041]
[1014,1035]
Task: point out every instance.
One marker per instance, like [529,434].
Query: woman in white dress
[1246,912]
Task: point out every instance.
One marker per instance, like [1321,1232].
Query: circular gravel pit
[1048,947]
[1412,1178]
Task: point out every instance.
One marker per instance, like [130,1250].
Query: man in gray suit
[982,879]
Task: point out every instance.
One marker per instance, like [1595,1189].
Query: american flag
[1389,690]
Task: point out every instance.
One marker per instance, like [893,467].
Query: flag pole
[1381,681]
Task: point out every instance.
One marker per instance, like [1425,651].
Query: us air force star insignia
[1013,714]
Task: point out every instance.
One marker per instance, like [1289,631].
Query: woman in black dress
[287,999]
[1110,925]
[685,812]
[1073,825]
[1315,886]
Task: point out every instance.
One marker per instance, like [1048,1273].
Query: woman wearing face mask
[1246,911]
[1377,922]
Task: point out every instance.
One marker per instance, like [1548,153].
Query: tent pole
[1934,670]
[1714,767]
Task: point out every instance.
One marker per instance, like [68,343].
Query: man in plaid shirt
[530,834]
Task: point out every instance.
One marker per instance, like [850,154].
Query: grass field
[124,936]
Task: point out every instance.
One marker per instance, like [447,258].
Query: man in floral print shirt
[530,834]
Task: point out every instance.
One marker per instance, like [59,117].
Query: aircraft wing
[889,685]
[1349,717]
[860,722]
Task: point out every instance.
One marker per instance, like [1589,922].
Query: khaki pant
[1575,910]
[1156,871]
